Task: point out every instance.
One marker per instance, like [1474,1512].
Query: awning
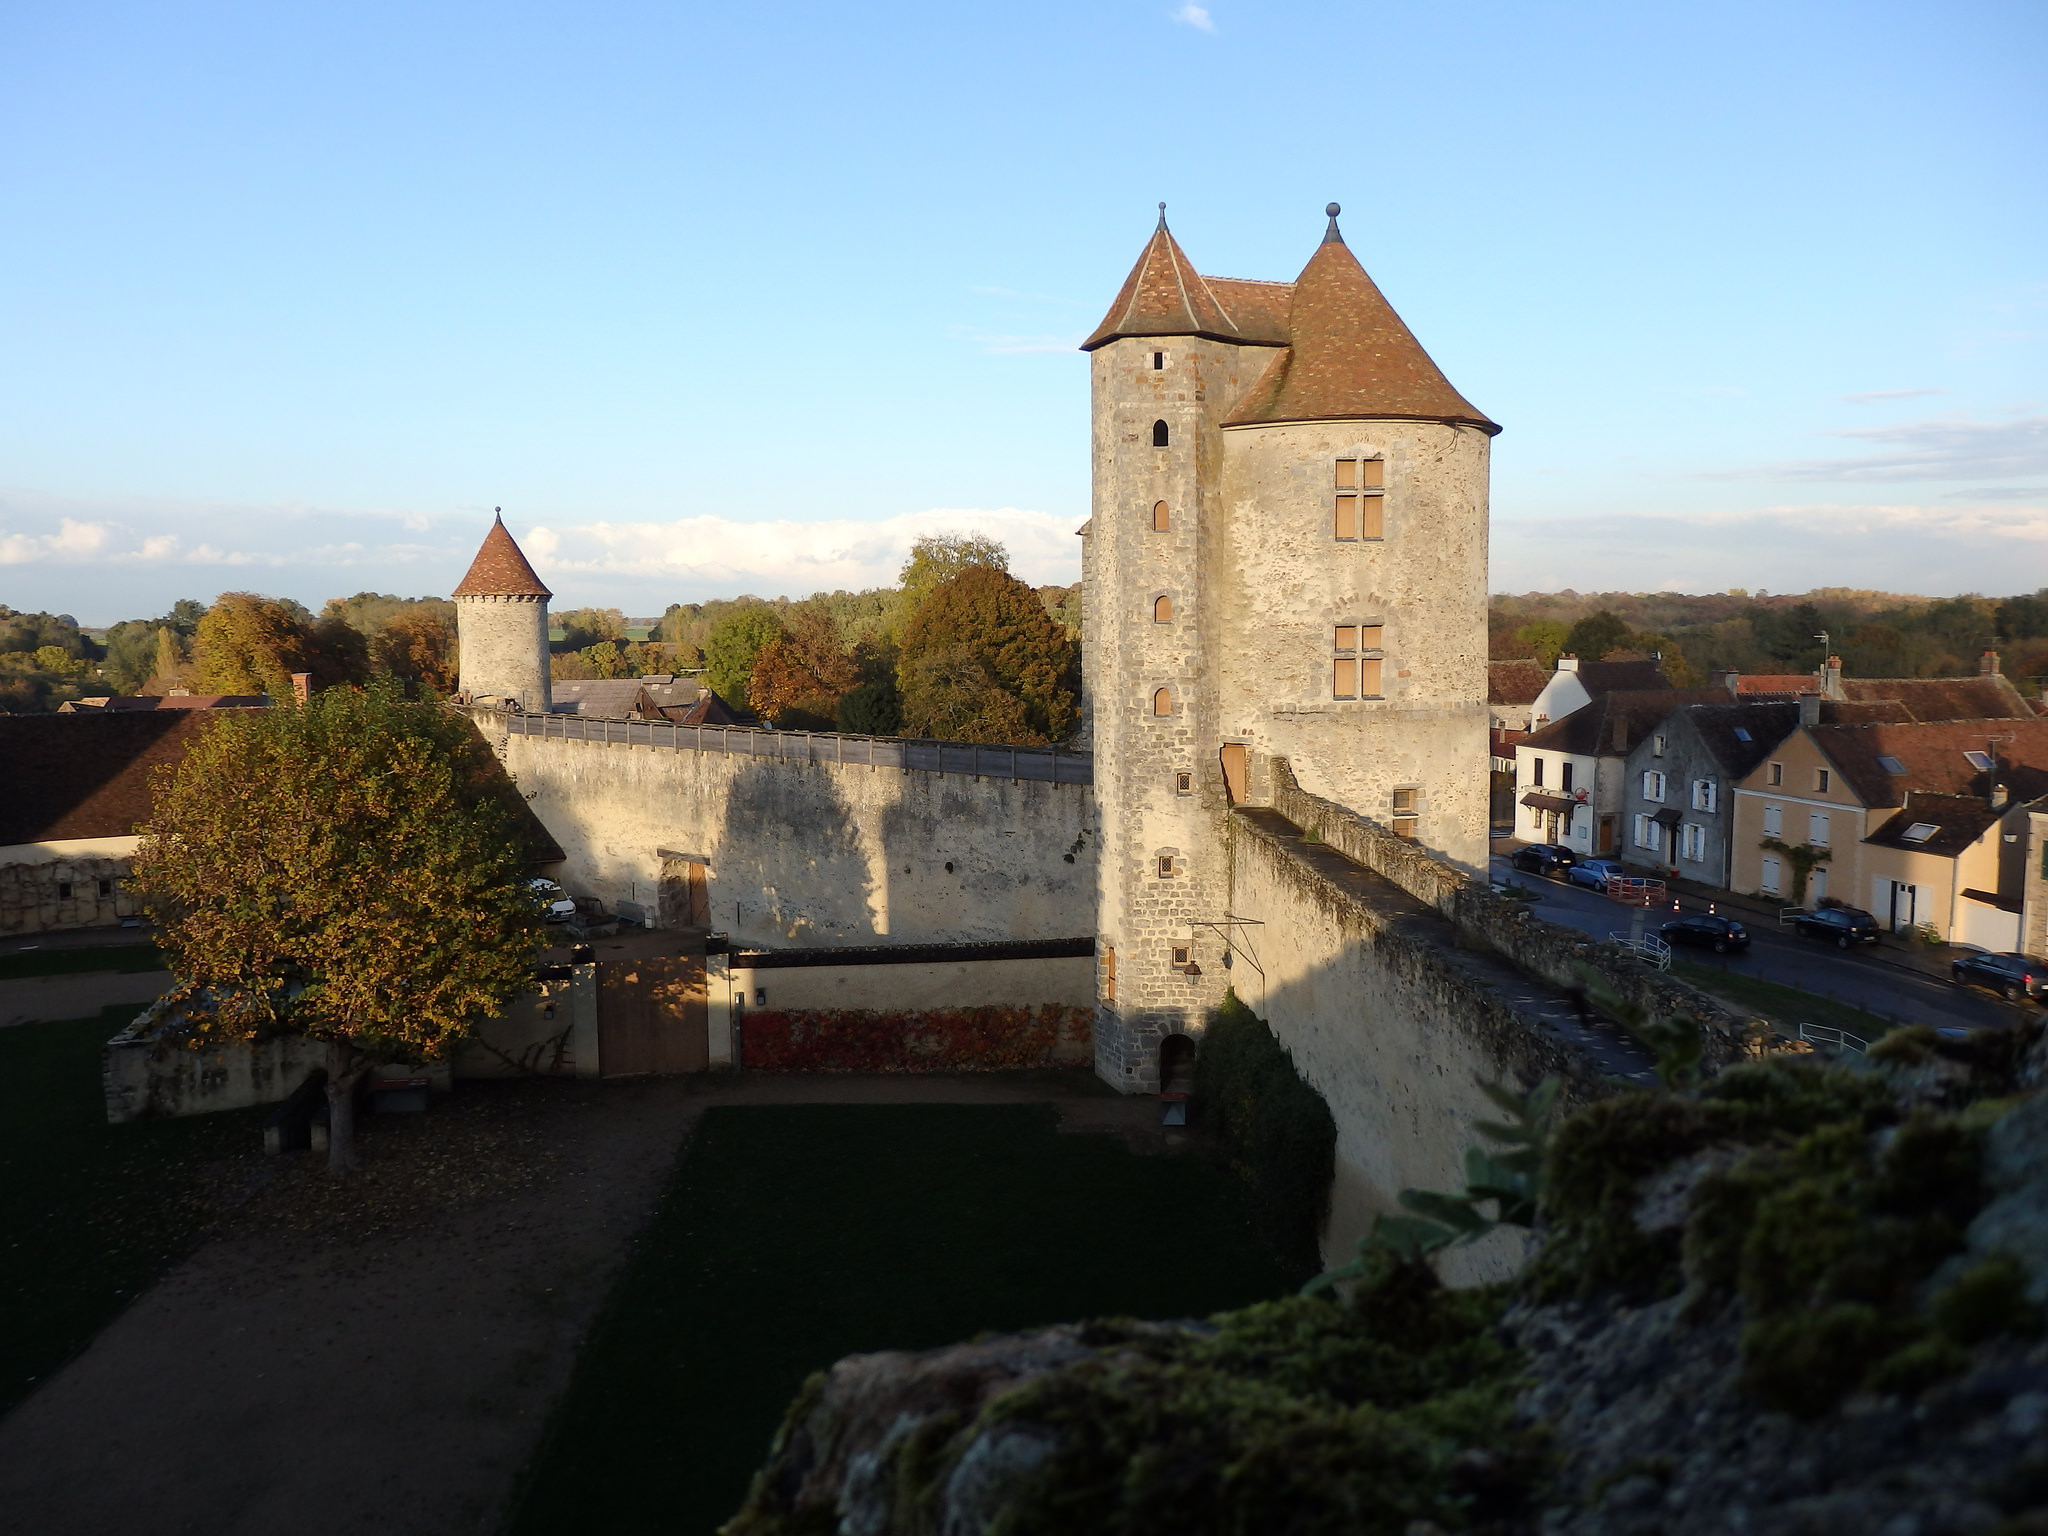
[1668,818]
[1537,800]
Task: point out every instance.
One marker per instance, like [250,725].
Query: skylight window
[1919,832]
[1741,733]
[1889,763]
[1981,761]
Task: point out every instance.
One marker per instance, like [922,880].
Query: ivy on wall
[992,1039]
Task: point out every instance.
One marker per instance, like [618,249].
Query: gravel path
[379,1354]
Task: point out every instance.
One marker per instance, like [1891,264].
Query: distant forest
[1877,634]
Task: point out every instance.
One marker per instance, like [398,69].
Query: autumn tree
[252,644]
[873,706]
[734,645]
[936,559]
[950,694]
[800,674]
[585,627]
[1000,622]
[1595,635]
[417,649]
[351,870]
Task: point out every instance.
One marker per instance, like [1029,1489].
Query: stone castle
[1286,559]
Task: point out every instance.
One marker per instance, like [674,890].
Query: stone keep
[501,620]
[1286,556]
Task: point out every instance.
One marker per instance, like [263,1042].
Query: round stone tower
[501,620]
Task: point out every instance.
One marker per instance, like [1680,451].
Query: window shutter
[1369,677]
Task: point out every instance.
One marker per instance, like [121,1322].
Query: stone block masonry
[812,854]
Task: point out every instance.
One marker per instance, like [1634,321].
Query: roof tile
[500,570]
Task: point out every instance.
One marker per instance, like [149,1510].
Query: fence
[1043,764]
[1633,892]
[1651,949]
[1827,1034]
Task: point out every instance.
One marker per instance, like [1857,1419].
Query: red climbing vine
[929,1040]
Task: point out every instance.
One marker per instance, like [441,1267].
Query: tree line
[1877,634]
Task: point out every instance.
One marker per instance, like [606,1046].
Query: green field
[123,958]
[90,1213]
[1782,1004]
[794,1235]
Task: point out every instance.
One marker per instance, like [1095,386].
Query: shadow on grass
[121,959]
[1781,1004]
[794,1235]
[90,1213]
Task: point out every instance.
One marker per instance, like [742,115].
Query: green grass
[126,959]
[794,1235]
[1782,1004]
[90,1213]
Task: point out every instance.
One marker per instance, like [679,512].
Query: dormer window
[1891,764]
[1161,438]
[1919,832]
[1981,761]
[1360,499]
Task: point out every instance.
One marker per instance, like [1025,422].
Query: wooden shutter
[1373,473]
[1369,636]
[1345,523]
[1345,684]
[1162,610]
[1161,517]
[1372,517]
[1369,677]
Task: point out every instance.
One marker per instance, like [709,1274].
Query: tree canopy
[734,646]
[351,870]
[992,618]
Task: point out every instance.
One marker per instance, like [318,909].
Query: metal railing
[1651,949]
[1827,1034]
[1047,765]
[1631,891]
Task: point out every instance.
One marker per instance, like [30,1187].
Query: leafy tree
[800,674]
[874,705]
[1000,622]
[252,644]
[350,870]
[1595,635]
[950,694]
[937,558]
[1544,639]
[734,645]
[417,649]
[585,627]
[606,659]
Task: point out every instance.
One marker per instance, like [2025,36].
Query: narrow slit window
[1108,973]
[63,890]
[1160,436]
[1183,783]
[1162,517]
[1162,701]
[1162,610]
[1166,866]
[1158,361]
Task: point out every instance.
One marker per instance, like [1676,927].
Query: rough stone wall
[33,878]
[815,853]
[1283,583]
[1130,564]
[504,649]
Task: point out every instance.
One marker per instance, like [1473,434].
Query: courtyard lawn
[126,959]
[793,1235]
[90,1213]
[1782,1005]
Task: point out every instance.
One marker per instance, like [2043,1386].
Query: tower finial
[1162,215]
[501,513]
[1332,234]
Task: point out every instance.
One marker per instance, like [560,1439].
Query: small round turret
[501,617]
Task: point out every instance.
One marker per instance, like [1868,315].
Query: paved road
[1859,978]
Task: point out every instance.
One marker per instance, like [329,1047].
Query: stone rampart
[810,852]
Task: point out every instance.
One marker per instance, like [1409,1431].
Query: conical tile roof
[500,570]
[1166,296]
[1351,355]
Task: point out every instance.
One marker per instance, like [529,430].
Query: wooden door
[650,1015]
[1234,771]
[685,894]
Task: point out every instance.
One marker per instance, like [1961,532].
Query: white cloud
[1941,449]
[1195,16]
[1872,396]
[72,540]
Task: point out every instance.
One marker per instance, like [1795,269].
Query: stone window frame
[1404,802]
[1163,694]
[1358,499]
[1162,434]
[1358,660]
[1183,782]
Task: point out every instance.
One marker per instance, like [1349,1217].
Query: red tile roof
[87,775]
[1944,698]
[1515,682]
[1589,732]
[1931,753]
[500,570]
[1352,356]
[1165,296]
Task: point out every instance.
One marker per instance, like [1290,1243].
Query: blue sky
[725,298]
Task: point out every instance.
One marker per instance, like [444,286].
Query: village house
[1574,684]
[1512,688]
[1570,772]
[1676,783]
[1906,818]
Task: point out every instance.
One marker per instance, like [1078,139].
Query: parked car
[1843,925]
[554,901]
[1594,873]
[1709,931]
[2010,976]
[1543,859]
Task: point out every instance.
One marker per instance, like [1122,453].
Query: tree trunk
[345,1068]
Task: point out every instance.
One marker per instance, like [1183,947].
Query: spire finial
[1332,233]
[500,512]
[1162,215]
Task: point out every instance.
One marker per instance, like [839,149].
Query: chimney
[1987,664]
[1831,679]
[1729,678]
[1567,663]
[1621,732]
[1999,795]
[1809,709]
[302,686]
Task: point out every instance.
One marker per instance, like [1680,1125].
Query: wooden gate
[650,1011]
[685,894]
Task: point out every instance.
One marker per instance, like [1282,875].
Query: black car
[1842,925]
[2011,976]
[1543,859]
[1720,934]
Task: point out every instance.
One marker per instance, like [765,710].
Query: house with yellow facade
[1924,823]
